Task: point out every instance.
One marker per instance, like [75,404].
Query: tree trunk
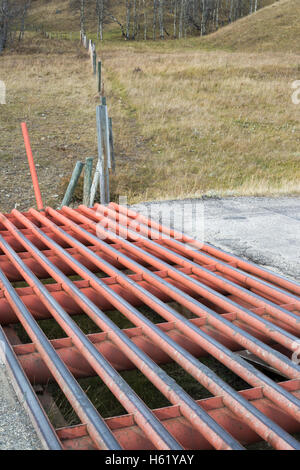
[181,19]
[134,29]
[161,19]
[204,17]
[145,20]
[154,18]
[217,14]
[231,11]
[175,18]
[128,18]
[100,14]
[82,16]
[3,25]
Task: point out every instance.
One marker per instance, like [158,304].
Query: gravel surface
[16,430]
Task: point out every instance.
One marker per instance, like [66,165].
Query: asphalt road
[264,230]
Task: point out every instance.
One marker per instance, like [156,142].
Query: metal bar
[144,417]
[133,315]
[162,381]
[99,432]
[24,390]
[246,341]
[13,274]
[182,324]
[146,270]
[37,371]
[275,332]
[34,177]
[257,301]
[123,426]
[214,251]
[246,279]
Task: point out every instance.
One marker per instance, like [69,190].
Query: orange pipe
[32,168]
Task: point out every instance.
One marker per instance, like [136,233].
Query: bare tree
[145,20]
[100,16]
[23,17]
[175,8]
[128,17]
[82,16]
[171,17]
[161,19]
[12,19]
[154,18]
[4,22]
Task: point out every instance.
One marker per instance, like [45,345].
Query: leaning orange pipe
[32,168]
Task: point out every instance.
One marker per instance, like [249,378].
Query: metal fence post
[100,157]
[99,76]
[87,180]
[94,62]
[73,183]
[112,150]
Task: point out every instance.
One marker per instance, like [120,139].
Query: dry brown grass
[274,28]
[189,119]
[50,86]
[215,122]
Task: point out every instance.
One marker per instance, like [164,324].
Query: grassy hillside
[215,122]
[57,15]
[274,28]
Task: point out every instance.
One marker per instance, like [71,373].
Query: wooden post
[73,183]
[112,150]
[99,77]
[87,184]
[100,157]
